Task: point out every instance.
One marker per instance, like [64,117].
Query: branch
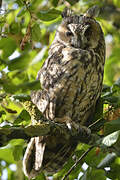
[8,133]
[77,162]
[42,127]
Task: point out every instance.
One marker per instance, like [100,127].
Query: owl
[71,79]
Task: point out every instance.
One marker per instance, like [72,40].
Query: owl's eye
[69,33]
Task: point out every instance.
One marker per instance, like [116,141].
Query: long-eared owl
[71,80]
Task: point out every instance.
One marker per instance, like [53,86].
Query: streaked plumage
[71,80]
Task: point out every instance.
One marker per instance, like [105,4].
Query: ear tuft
[92,12]
[66,13]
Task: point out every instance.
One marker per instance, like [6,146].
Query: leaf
[3,64]
[22,61]
[114,171]
[48,15]
[41,177]
[21,97]
[17,152]
[8,46]
[6,154]
[36,32]
[105,88]
[107,160]
[116,3]
[15,142]
[54,2]
[2,112]
[22,11]
[34,4]
[116,87]
[111,139]
[112,126]
[14,28]
[111,67]
[34,85]
[72,2]
[111,99]
[21,88]
[23,118]
[92,159]
[93,174]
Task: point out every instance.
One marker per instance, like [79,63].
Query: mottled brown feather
[71,80]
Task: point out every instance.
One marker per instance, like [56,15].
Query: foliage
[27,28]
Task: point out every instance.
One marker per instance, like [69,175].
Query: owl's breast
[73,83]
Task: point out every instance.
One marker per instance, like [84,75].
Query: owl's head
[80,31]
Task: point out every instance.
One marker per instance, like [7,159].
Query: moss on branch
[43,127]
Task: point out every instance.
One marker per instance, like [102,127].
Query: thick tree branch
[42,127]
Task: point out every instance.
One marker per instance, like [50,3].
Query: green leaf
[2,112]
[116,3]
[21,97]
[105,88]
[64,170]
[54,2]
[6,154]
[116,87]
[34,4]
[107,160]
[3,64]
[22,11]
[41,177]
[92,159]
[34,85]
[14,28]
[114,171]
[72,2]
[111,66]
[36,32]
[111,139]
[17,152]
[23,118]
[112,126]
[8,46]
[22,61]
[15,142]
[111,99]
[93,174]
[21,88]
[48,15]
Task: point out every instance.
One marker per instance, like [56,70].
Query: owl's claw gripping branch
[43,127]
[32,162]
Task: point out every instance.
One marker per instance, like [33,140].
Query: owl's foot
[73,126]
[66,120]
[78,132]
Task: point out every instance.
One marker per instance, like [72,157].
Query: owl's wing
[48,75]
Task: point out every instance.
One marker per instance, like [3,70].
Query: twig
[78,161]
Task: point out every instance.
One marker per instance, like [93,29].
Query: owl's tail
[33,157]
